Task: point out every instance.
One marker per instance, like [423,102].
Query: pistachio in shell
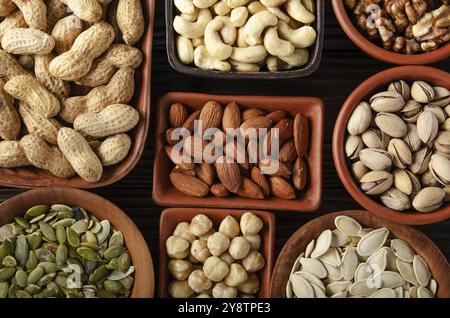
[428,199]
[411,111]
[427,126]
[441,96]
[421,160]
[406,181]
[358,169]
[442,142]
[412,138]
[401,87]
[360,119]
[439,112]
[422,92]
[388,102]
[400,152]
[353,146]
[375,138]
[440,169]
[395,199]
[376,182]
[375,159]
[391,124]
[428,180]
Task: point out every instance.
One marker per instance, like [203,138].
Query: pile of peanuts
[66,74]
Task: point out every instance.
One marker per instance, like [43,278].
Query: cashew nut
[237,3]
[198,42]
[255,7]
[279,14]
[185,50]
[203,60]
[298,58]
[244,67]
[301,38]
[310,5]
[222,8]
[204,4]
[239,16]
[228,31]
[185,6]
[213,42]
[192,29]
[256,25]
[298,11]
[191,17]
[276,46]
[240,40]
[275,64]
[251,54]
[272,3]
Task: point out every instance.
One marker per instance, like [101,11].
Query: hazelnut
[253,262]
[192,259]
[207,235]
[177,247]
[198,281]
[246,296]
[230,227]
[183,230]
[251,286]
[200,251]
[203,296]
[180,269]
[215,269]
[223,291]
[218,243]
[254,240]
[200,225]
[227,258]
[239,247]
[250,224]
[236,276]
[180,289]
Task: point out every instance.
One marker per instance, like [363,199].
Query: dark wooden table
[343,67]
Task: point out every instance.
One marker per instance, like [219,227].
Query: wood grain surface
[343,67]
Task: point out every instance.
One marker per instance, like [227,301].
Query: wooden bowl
[166,195]
[370,86]
[315,53]
[380,53]
[170,219]
[102,209]
[31,177]
[419,242]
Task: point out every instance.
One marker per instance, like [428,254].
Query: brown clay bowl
[30,177]
[166,195]
[380,53]
[170,219]
[419,242]
[361,93]
[102,209]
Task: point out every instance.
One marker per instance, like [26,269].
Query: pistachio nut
[421,159]
[441,96]
[395,200]
[440,169]
[447,110]
[359,169]
[406,181]
[375,138]
[447,194]
[412,138]
[375,159]
[391,124]
[446,125]
[400,87]
[428,180]
[439,112]
[411,111]
[442,142]
[427,126]
[376,182]
[388,102]
[353,146]
[400,152]
[428,199]
[360,119]
[422,92]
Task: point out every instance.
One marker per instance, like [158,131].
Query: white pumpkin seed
[334,272]
[423,292]
[342,294]
[313,266]
[399,292]
[337,287]
[372,242]
[297,264]
[407,271]
[363,271]
[389,279]
[322,244]
[406,294]
[104,232]
[331,257]
[421,271]
[309,249]
[349,263]
[288,289]
[384,293]
[118,275]
[364,231]
[402,250]
[432,286]
[318,292]
[391,259]
[378,260]
[363,288]
[310,278]
[348,225]
[301,287]
[413,292]
[338,238]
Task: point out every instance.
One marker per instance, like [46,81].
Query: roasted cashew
[237,3]
[251,54]
[256,25]
[204,4]
[203,60]
[279,14]
[221,7]
[274,64]
[301,38]
[298,11]
[185,50]
[198,42]
[244,67]
[276,46]
[213,42]
[185,6]
[192,29]
[310,5]
[228,31]
[255,7]
[191,17]
[240,39]
[239,16]
[272,3]
[298,58]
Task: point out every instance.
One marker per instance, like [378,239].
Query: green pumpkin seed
[48,231]
[96,227]
[113,264]
[91,238]
[31,229]
[49,267]
[22,222]
[124,262]
[61,235]
[61,255]
[9,261]
[4,286]
[32,261]
[12,290]
[61,281]
[64,223]
[50,216]
[37,210]
[3,251]
[65,214]
[114,287]
[104,232]
[103,293]
[87,253]
[73,252]
[46,279]
[72,237]
[116,239]
[6,273]
[127,282]
[92,246]
[32,289]
[60,207]
[34,240]
[99,274]
[80,226]
[21,278]
[35,275]
[113,252]
[22,294]
[44,255]
[21,253]
[37,219]
[49,292]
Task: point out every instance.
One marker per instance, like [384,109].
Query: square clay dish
[307,201]
[315,52]
[170,219]
[31,177]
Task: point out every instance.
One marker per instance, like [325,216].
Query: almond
[256,123]
[260,180]
[219,190]
[276,116]
[186,172]
[206,173]
[300,172]
[182,161]
[189,122]
[236,151]
[189,185]
[169,139]
[231,117]
[286,129]
[288,152]
[229,174]
[301,134]
[249,189]
[194,146]
[251,113]
[211,115]
[281,188]
[177,115]
[284,169]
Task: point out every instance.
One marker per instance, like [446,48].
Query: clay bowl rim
[186,214]
[144,275]
[380,53]
[366,88]
[277,286]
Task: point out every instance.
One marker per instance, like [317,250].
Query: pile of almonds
[399,146]
[227,175]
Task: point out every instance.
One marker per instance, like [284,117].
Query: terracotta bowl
[378,52]
[419,242]
[370,86]
[166,195]
[30,177]
[102,209]
[170,219]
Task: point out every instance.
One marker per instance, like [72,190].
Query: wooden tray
[30,177]
[309,200]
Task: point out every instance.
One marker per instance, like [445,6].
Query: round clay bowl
[419,242]
[370,86]
[102,209]
[380,53]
